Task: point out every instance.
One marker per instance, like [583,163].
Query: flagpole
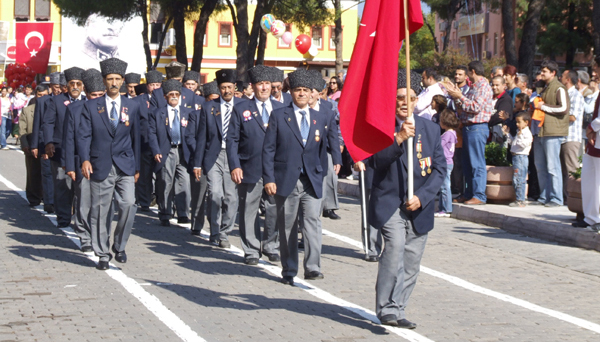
[408,102]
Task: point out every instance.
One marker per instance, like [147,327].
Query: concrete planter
[574,195]
[499,188]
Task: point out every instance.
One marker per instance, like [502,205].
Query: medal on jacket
[317,136]
[167,121]
[428,163]
[419,147]
[422,164]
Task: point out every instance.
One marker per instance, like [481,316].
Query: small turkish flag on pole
[368,103]
[34,41]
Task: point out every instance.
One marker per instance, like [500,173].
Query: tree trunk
[205,13]
[596,21]
[144,13]
[240,24]
[570,56]
[508,26]
[432,31]
[530,29]
[337,37]
[161,39]
[447,35]
[260,54]
[258,37]
[180,44]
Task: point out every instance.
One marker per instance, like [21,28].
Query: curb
[561,233]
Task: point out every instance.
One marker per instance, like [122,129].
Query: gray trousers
[302,200]
[83,203]
[399,265]
[173,184]
[198,202]
[223,199]
[569,161]
[47,181]
[63,194]
[33,187]
[330,187]
[249,221]
[144,187]
[122,188]
[374,237]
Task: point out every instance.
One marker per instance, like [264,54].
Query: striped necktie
[226,120]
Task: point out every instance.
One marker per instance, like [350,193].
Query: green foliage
[495,155]
[422,47]
[303,13]
[444,63]
[117,9]
[577,173]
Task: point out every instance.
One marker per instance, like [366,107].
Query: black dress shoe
[300,244]
[183,220]
[273,257]
[63,225]
[332,215]
[406,324]
[87,249]
[196,232]
[580,224]
[120,256]
[287,280]
[49,208]
[251,261]
[312,275]
[224,244]
[102,265]
[390,320]
[34,204]
[165,223]
[145,208]
[372,258]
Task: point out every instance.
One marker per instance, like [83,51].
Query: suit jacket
[188,99]
[143,101]
[53,122]
[287,99]
[26,125]
[70,157]
[97,144]
[389,189]
[284,155]
[209,134]
[159,134]
[37,136]
[332,134]
[245,139]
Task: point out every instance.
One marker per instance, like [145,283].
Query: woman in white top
[6,110]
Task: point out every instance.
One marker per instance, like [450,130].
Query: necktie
[265,114]
[175,129]
[114,117]
[304,127]
[226,120]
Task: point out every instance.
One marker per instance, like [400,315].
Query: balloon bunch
[19,74]
[277,27]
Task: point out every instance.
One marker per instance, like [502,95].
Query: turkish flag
[368,103]
[34,41]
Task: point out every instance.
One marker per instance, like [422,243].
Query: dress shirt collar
[268,103]
[109,103]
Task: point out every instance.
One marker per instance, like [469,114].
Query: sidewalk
[550,224]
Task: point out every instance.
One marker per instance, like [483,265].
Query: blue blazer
[245,139]
[97,144]
[53,123]
[209,134]
[332,134]
[37,135]
[160,134]
[284,155]
[143,101]
[389,188]
[287,99]
[70,156]
[188,99]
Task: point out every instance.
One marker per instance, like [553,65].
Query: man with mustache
[210,159]
[53,123]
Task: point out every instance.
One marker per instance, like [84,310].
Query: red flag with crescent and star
[368,103]
[34,41]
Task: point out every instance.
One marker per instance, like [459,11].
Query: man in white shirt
[432,88]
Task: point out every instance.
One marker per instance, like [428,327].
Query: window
[332,35]
[224,34]
[280,43]
[21,9]
[487,43]
[317,37]
[42,9]
[155,32]
[495,44]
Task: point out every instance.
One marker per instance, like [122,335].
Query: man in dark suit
[109,146]
[175,71]
[276,88]
[404,223]
[131,80]
[210,159]
[293,172]
[71,161]
[53,124]
[245,138]
[144,187]
[167,128]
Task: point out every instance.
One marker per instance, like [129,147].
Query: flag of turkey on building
[34,41]
[368,103]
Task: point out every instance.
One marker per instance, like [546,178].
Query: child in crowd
[520,145]
[438,103]
[448,122]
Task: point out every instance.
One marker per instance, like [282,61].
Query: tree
[596,21]
[207,10]
[508,26]
[446,10]
[422,50]
[528,39]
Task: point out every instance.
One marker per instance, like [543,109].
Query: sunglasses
[403,98]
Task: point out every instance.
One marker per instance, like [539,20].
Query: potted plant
[499,188]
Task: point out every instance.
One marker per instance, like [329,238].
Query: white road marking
[476,288]
[133,287]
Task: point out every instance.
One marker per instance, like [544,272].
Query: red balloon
[13,85]
[303,43]
[33,85]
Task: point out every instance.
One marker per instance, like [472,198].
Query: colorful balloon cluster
[277,27]
[19,74]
